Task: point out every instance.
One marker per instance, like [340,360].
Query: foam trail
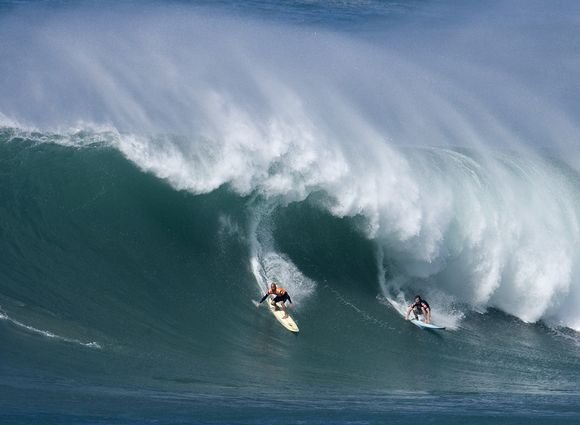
[269,265]
[396,294]
[48,334]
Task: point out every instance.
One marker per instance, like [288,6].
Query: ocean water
[162,162]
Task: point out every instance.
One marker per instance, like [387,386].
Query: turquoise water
[160,164]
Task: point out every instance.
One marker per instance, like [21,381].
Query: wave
[95,250]
[436,161]
[477,231]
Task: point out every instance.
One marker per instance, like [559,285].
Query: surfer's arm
[289,299]
[408,312]
[264,297]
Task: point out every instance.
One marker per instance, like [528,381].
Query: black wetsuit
[418,307]
[278,298]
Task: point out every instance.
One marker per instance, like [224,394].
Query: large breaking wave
[454,157]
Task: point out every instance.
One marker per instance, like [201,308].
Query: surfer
[420,306]
[280,296]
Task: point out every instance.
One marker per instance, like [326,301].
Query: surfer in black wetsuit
[280,296]
[420,306]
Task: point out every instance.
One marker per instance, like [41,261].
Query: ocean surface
[161,162]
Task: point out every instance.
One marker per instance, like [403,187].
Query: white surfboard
[278,313]
[401,308]
[424,325]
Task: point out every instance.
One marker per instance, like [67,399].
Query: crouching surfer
[280,295]
[420,306]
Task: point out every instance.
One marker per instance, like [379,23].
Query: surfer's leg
[285,298]
[416,313]
[276,300]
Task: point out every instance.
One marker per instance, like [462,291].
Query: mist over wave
[454,148]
